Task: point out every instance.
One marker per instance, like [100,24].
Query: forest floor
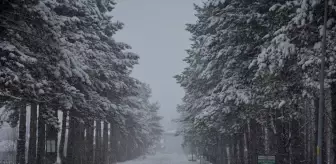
[162,158]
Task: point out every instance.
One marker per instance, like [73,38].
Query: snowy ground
[161,158]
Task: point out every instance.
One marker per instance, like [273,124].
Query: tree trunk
[272,139]
[234,140]
[76,142]
[231,152]
[32,134]
[89,142]
[250,150]
[297,143]
[63,132]
[105,143]
[333,111]
[325,131]
[312,135]
[241,148]
[246,143]
[219,150]
[260,147]
[113,144]
[51,140]
[281,141]
[316,111]
[306,132]
[80,140]
[118,139]
[255,139]
[98,143]
[21,143]
[123,148]
[71,139]
[325,141]
[41,137]
[225,153]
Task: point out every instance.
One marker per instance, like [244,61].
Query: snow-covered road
[161,158]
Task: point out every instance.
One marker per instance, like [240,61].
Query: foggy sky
[156,31]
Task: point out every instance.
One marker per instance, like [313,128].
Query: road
[162,158]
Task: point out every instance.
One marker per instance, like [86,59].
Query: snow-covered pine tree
[81,71]
[291,57]
[142,123]
[260,58]
[27,41]
[227,34]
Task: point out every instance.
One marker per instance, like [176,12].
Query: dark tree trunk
[118,138]
[219,150]
[234,141]
[80,140]
[21,143]
[241,148]
[325,131]
[98,143]
[272,139]
[230,149]
[282,154]
[306,133]
[76,137]
[297,143]
[105,143]
[41,136]
[62,139]
[333,112]
[312,137]
[249,143]
[254,141]
[323,148]
[316,113]
[71,139]
[122,148]
[32,134]
[51,140]
[89,142]
[260,147]
[225,154]
[225,158]
[113,144]
[324,143]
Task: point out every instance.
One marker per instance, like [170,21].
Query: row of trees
[59,58]
[252,81]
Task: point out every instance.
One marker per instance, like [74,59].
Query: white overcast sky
[156,31]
